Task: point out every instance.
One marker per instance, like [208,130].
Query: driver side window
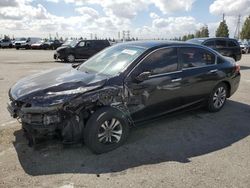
[81,44]
[161,61]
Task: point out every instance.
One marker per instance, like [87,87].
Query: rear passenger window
[161,61]
[88,44]
[231,43]
[196,57]
[220,43]
[209,43]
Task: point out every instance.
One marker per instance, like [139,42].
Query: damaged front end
[45,122]
[67,119]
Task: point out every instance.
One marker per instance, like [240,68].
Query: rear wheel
[105,130]
[217,98]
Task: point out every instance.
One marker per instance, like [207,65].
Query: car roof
[155,44]
[89,40]
[200,40]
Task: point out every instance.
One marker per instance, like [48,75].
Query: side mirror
[143,76]
[75,65]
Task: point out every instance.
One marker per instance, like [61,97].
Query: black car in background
[99,101]
[83,49]
[54,44]
[225,46]
[46,45]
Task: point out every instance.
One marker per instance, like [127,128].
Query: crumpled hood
[56,81]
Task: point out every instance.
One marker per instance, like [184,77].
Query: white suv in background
[26,42]
[244,47]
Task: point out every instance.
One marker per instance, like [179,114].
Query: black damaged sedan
[98,101]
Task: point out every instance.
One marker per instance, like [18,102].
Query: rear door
[93,47]
[221,47]
[234,48]
[199,73]
[80,50]
[209,43]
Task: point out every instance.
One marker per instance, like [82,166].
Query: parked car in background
[6,43]
[125,84]
[83,49]
[244,47]
[41,44]
[26,42]
[45,45]
[225,46]
[54,44]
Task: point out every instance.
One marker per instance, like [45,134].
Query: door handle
[213,71]
[176,80]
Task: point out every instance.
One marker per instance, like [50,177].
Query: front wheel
[217,98]
[106,130]
[70,58]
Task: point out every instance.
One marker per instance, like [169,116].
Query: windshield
[195,41]
[71,43]
[21,39]
[112,60]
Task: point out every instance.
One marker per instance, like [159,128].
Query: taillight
[237,68]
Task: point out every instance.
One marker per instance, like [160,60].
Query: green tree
[245,32]
[204,31]
[190,36]
[6,37]
[222,30]
[198,34]
[184,38]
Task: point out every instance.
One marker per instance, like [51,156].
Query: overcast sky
[144,18]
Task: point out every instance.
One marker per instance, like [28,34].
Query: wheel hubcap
[110,132]
[219,97]
[71,58]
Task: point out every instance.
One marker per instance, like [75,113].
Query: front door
[160,92]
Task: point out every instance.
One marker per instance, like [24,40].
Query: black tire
[213,105]
[95,125]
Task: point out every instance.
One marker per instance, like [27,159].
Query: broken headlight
[45,119]
[50,119]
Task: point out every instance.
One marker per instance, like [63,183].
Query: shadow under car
[177,138]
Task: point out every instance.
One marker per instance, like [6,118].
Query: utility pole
[237,30]
[119,35]
[123,36]
[128,35]
[223,17]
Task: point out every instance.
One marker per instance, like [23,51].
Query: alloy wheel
[110,132]
[71,58]
[219,97]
